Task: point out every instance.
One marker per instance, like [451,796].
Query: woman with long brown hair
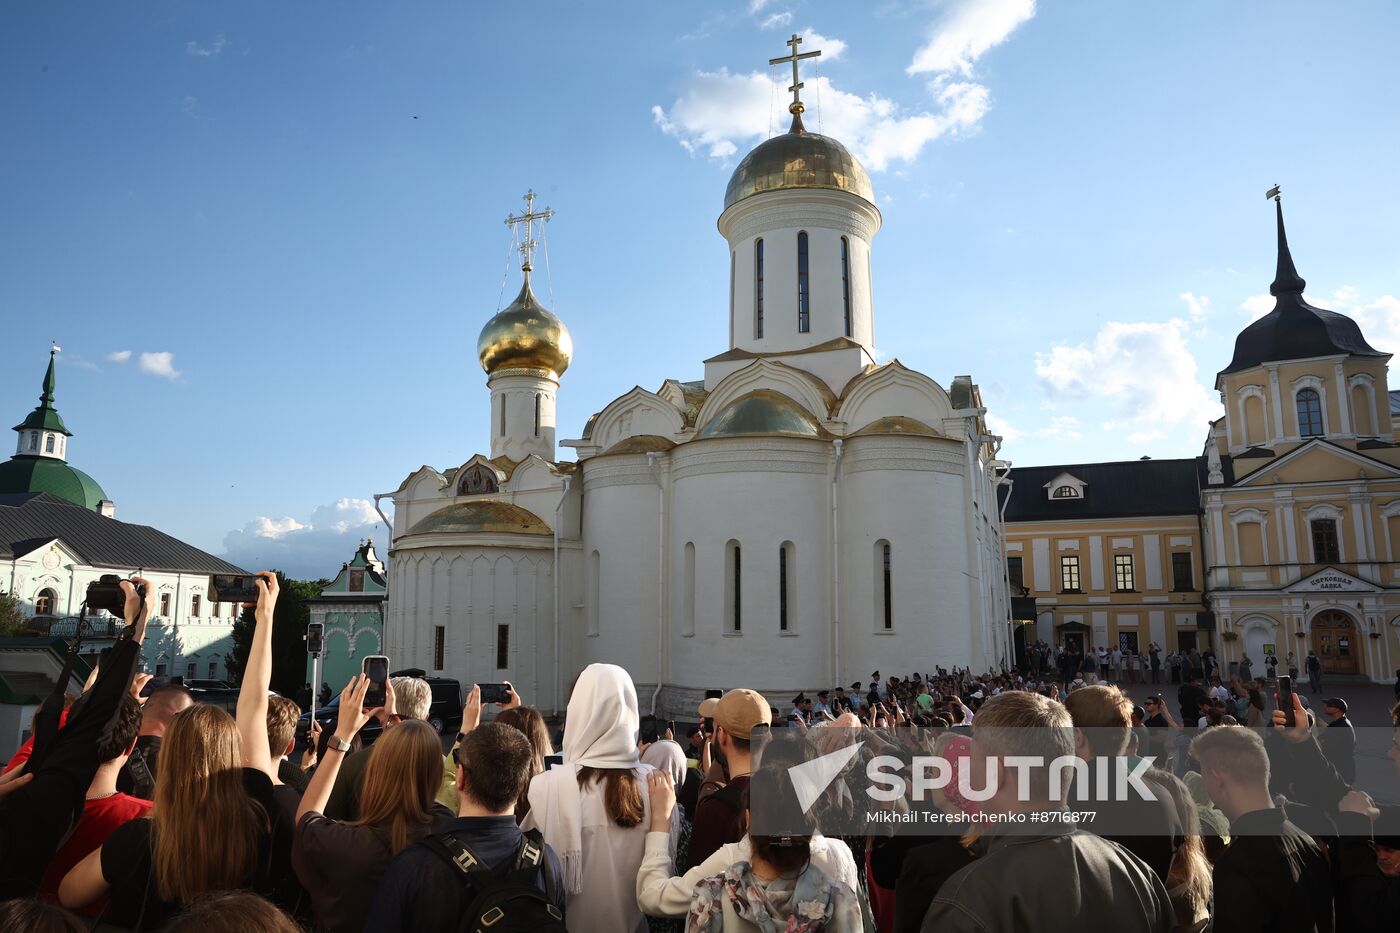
[208,830]
[593,810]
[341,863]
[528,720]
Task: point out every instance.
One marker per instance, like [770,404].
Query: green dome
[24,473]
[762,412]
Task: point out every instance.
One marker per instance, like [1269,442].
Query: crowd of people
[132,812]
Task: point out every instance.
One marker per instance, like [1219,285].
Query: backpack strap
[459,855]
[530,863]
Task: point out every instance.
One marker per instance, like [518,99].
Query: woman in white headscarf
[593,810]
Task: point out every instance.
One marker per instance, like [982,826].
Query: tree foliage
[289,622]
[12,618]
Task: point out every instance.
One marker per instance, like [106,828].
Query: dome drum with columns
[798,518]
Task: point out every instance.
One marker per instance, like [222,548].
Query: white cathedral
[801,517]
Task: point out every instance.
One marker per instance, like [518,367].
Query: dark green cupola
[40,463]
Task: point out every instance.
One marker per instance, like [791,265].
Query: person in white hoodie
[756,884]
[593,809]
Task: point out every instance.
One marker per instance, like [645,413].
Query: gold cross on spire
[796,106]
[527,242]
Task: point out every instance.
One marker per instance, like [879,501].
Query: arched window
[33,440]
[846,281]
[537,414]
[48,443]
[786,553]
[804,288]
[1065,492]
[688,591]
[1309,413]
[758,289]
[45,603]
[733,588]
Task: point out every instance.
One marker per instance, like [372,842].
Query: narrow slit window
[782,589]
[888,593]
[758,289]
[804,288]
[738,592]
[537,414]
[502,647]
[439,646]
[846,282]
[502,431]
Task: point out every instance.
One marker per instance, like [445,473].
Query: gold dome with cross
[797,158]
[526,335]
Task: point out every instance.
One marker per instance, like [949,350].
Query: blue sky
[289,216]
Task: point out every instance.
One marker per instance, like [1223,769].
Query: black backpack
[511,902]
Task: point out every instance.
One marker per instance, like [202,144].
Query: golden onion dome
[525,336]
[798,159]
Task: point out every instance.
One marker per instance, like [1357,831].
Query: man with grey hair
[1043,868]
[404,698]
[1272,876]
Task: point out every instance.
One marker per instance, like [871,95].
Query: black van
[444,715]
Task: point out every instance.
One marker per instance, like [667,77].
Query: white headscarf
[666,755]
[600,731]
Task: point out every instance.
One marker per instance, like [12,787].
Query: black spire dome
[1294,329]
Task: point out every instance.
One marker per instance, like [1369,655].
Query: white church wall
[911,493]
[758,492]
[620,554]
[472,593]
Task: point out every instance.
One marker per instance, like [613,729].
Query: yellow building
[1294,527]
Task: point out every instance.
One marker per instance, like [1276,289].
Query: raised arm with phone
[257,677]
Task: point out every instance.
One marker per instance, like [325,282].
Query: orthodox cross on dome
[527,242]
[796,107]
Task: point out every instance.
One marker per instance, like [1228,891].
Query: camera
[315,637]
[106,593]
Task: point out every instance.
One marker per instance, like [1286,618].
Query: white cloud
[1062,427]
[812,40]
[966,31]
[1258,305]
[1198,306]
[160,364]
[720,112]
[211,50]
[118,356]
[306,550]
[1380,323]
[775,20]
[1142,373]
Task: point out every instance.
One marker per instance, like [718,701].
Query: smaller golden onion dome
[525,335]
[763,412]
[798,159]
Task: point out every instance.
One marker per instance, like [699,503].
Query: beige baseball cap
[707,707]
[739,711]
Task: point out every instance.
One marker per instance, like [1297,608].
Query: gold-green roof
[482,517]
[897,424]
[641,444]
[763,412]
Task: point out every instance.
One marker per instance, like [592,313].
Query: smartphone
[708,723]
[315,637]
[233,588]
[1285,699]
[376,668]
[495,693]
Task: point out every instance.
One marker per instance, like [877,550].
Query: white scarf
[600,731]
